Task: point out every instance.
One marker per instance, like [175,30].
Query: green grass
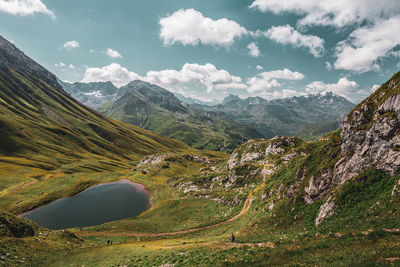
[68,148]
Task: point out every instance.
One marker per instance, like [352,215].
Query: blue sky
[209,49]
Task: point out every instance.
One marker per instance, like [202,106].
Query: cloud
[190,27]
[114,73]
[279,94]
[61,64]
[267,80]
[71,44]
[288,35]
[374,88]
[338,13]
[24,7]
[366,45]
[195,77]
[258,67]
[71,67]
[328,65]
[376,23]
[284,74]
[258,84]
[112,53]
[254,51]
[344,87]
[207,75]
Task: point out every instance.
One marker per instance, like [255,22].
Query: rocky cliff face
[370,136]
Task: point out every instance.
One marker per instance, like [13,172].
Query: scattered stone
[325,211]
[396,189]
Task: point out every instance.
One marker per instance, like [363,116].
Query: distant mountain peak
[137,83]
[229,98]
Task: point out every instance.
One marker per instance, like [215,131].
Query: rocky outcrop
[318,188]
[157,159]
[152,160]
[260,157]
[370,139]
[325,211]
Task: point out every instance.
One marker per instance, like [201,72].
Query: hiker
[233,238]
[108,242]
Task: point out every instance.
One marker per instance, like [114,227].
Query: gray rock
[325,211]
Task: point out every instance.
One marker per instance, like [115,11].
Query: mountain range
[219,127]
[154,108]
[288,116]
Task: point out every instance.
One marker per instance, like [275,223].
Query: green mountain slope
[154,108]
[41,123]
[317,130]
[287,116]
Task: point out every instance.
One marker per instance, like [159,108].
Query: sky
[208,49]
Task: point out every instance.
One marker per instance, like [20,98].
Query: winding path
[246,207]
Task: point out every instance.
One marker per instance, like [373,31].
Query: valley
[332,200]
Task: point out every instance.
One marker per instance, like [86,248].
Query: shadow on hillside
[7,143]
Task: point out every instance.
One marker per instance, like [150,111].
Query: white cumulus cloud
[258,84]
[24,7]
[71,44]
[267,80]
[207,75]
[258,67]
[71,67]
[288,35]
[113,53]
[344,87]
[284,74]
[366,45]
[114,73]
[337,13]
[190,27]
[254,51]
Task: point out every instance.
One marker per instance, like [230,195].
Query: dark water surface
[96,205]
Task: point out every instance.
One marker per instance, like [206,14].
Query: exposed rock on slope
[369,140]
[370,135]
[260,157]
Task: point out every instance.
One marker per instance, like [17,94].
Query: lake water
[96,205]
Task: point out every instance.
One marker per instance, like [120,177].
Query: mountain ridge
[287,116]
[32,109]
[152,107]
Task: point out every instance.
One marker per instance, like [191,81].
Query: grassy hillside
[41,123]
[315,131]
